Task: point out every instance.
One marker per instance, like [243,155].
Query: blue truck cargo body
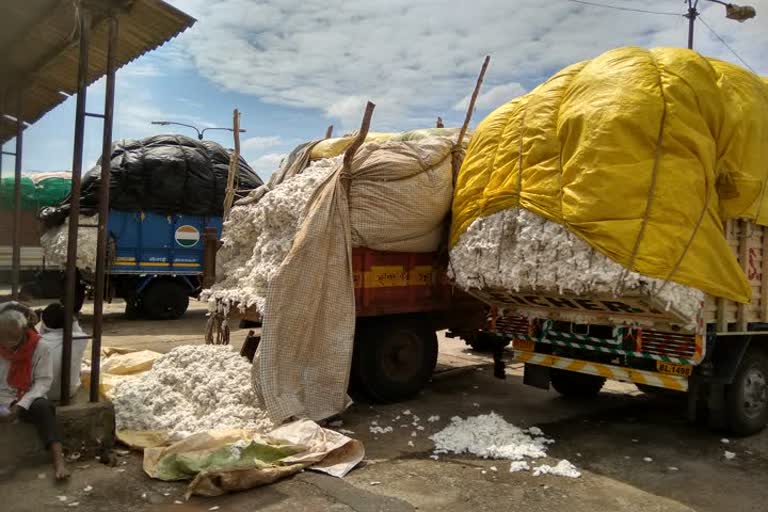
[156,261]
[151,243]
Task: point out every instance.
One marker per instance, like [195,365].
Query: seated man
[51,330]
[26,374]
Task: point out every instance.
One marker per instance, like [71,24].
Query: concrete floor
[607,438]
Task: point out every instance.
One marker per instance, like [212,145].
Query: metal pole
[101,247]
[2,154]
[692,13]
[16,257]
[74,212]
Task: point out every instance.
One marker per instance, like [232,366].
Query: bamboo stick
[470,110]
[361,135]
[234,163]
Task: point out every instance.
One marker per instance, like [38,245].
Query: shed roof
[39,48]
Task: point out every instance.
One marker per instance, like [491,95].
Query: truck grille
[668,344]
[512,325]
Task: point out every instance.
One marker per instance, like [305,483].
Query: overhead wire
[630,9]
[701,18]
[644,11]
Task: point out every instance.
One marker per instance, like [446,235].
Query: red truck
[402,300]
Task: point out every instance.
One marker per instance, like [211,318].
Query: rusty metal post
[74,212]
[16,255]
[101,244]
[2,154]
[210,247]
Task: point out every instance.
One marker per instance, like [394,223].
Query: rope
[689,242]
[520,157]
[651,188]
[217,330]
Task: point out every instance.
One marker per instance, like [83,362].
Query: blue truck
[156,261]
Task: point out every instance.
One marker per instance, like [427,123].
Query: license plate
[681,370]
[524,345]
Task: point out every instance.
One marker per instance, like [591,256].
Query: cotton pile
[191,389]
[286,252]
[491,437]
[257,238]
[642,153]
[517,250]
[54,242]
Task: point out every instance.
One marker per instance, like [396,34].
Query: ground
[637,453]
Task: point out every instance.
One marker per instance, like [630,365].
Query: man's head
[53,316]
[12,326]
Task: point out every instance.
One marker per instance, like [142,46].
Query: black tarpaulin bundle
[166,174]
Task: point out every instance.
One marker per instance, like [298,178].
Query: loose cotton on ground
[489,436]
[189,390]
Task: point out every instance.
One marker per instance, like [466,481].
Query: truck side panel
[750,244]
[149,243]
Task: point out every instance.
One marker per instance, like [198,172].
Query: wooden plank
[743,233]
[764,277]
[720,317]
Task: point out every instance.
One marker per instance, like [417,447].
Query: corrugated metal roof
[39,48]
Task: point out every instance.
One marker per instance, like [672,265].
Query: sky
[293,67]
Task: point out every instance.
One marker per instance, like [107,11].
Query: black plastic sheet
[166,174]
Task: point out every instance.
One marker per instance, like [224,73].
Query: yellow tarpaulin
[641,153]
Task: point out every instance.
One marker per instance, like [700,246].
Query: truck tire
[394,357]
[746,398]
[133,308]
[164,299]
[575,385]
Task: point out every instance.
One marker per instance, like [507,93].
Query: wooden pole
[16,234]
[362,134]
[234,163]
[329,132]
[470,110]
[473,99]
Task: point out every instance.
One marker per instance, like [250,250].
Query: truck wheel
[575,385]
[394,356]
[133,308]
[165,300]
[746,399]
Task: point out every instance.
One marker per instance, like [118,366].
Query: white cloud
[265,165]
[140,69]
[494,97]
[417,59]
[260,143]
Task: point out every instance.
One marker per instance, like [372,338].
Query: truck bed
[393,283]
[750,243]
[150,243]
